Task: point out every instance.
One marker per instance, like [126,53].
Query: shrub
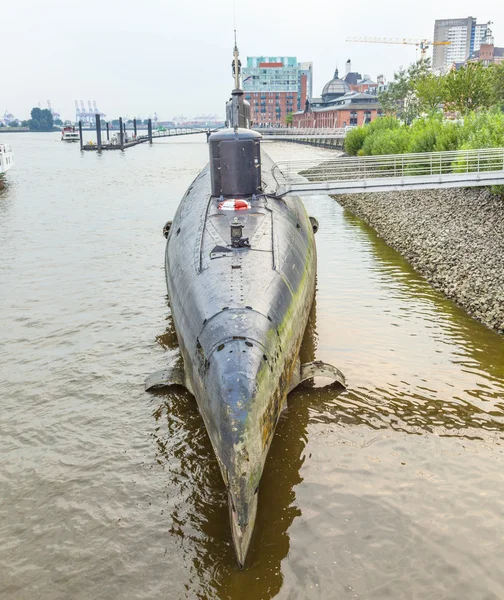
[355,139]
[387,141]
[449,137]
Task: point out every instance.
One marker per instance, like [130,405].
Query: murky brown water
[393,489]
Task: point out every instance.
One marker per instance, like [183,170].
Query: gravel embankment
[453,237]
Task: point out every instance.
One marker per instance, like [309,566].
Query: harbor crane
[424,45]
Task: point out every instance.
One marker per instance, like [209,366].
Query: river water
[392,489]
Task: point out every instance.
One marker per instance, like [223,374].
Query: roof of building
[352,97]
[353,78]
[367,82]
[335,86]
[497,52]
[352,100]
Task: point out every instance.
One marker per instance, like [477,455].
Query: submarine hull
[240,314]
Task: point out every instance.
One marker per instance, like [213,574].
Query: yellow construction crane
[424,45]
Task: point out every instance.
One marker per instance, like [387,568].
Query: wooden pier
[120,140]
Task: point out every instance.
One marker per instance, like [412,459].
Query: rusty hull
[240,315]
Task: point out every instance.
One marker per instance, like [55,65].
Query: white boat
[6,158]
[68,134]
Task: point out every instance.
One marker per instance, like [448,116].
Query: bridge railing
[393,165]
[300,132]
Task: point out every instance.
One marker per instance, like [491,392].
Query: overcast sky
[173,56]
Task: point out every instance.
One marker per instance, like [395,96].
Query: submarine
[240,272]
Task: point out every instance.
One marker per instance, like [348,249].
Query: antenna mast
[237,65]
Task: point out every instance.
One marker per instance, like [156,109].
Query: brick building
[352,109]
[340,105]
[275,86]
[358,83]
[488,54]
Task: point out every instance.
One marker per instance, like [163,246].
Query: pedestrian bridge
[394,172]
[291,133]
[175,131]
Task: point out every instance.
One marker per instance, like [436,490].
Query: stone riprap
[453,237]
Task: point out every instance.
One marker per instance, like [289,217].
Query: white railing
[301,132]
[176,131]
[396,170]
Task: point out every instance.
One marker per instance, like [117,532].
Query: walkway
[428,170]
[290,133]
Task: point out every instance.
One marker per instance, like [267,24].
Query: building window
[353,117]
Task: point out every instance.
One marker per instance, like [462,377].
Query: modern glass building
[276,86]
[465,37]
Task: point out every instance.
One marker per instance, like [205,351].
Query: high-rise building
[276,86]
[465,37]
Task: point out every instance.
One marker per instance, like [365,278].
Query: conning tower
[235,153]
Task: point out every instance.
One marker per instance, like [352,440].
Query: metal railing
[405,169]
[301,132]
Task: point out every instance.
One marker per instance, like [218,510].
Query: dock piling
[121,133]
[149,129]
[135,127]
[98,132]
[124,141]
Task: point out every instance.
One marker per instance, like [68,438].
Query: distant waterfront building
[465,36]
[276,86]
[488,54]
[334,89]
[306,71]
[357,82]
[342,104]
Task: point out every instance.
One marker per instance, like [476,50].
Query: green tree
[58,122]
[497,83]
[394,98]
[115,123]
[288,119]
[413,91]
[14,124]
[36,114]
[469,88]
[355,139]
[41,120]
[430,91]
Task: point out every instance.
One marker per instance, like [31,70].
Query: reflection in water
[479,347]
[199,512]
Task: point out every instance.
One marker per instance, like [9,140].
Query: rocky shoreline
[453,237]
